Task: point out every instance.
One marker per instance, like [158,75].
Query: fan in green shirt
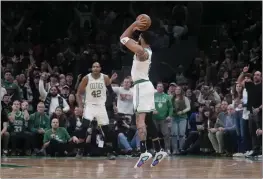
[39,122]
[163,104]
[59,134]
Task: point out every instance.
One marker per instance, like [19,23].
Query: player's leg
[151,127]
[153,133]
[141,108]
[103,121]
[142,133]
[88,116]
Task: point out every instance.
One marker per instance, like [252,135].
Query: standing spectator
[11,88]
[163,114]
[52,98]
[237,102]
[181,106]
[39,122]
[254,105]
[124,98]
[171,89]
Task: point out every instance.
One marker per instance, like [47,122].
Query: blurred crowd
[213,107]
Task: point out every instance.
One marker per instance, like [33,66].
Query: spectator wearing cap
[171,89]
[52,99]
[11,88]
[65,91]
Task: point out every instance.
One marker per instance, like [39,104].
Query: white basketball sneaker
[143,159]
[159,156]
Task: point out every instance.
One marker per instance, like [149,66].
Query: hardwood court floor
[172,167]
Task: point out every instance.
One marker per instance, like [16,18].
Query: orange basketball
[148,19]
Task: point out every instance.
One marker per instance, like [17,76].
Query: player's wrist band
[124,40]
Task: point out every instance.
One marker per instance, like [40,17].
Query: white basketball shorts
[143,97]
[97,111]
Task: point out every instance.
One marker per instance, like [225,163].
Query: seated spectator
[18,130]
[78,128]
[223,136]
[6,104]
[56,140]
[128,138]
[208,95]
[192,144]
[4,132]
[39,123]
[63,119]
[72,103]
[229,129]
[95,145]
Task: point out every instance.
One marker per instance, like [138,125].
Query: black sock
[157,145]
[143,146]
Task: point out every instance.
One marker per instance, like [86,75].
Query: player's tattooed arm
[132,45]
[81,91]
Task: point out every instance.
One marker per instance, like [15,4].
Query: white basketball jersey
[96,90]
[140,69]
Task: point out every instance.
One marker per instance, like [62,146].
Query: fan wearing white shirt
[124,98]
[52,99]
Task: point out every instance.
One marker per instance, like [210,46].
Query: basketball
[147,18]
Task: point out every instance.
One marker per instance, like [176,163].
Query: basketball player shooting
[143,97]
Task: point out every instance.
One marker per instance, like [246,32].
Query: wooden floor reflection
[172,167]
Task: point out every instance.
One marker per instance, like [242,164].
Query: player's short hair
[148,37]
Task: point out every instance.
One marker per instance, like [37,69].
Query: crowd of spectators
[213,107]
